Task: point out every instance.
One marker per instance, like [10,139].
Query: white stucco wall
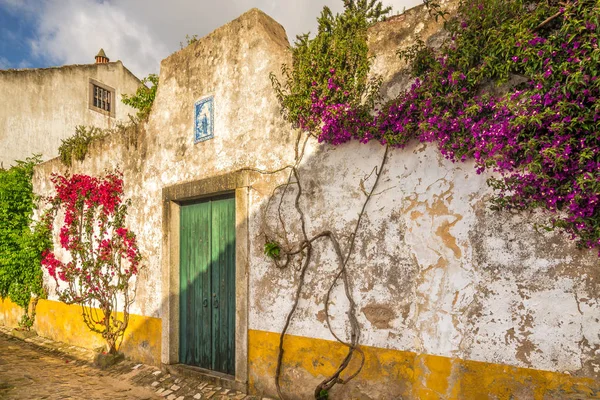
[434,271]
[40,107]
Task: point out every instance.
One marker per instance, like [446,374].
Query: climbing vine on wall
[21,241]
[514,87]
[327,92]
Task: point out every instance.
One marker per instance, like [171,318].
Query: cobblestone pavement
[39,368]
[26,372]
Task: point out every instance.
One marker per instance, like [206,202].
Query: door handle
[216,303]
[205,303]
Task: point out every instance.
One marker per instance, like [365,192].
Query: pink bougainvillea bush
[103,255]
[515,88]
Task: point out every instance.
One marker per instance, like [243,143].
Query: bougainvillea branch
[327,86]
[515,88]
[541,133]
[103,252]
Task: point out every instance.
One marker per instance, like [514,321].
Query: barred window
[102,98]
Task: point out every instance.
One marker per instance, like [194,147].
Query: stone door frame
[172,196]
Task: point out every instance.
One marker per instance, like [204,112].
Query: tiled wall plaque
[204,119]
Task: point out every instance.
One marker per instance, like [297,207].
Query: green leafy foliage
[144,96]
[272,250]
[20,245]
[76,146]
[189,39]
[333,66]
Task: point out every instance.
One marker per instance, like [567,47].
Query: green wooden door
[207,285]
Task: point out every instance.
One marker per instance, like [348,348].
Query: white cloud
[72,32]
[142,33]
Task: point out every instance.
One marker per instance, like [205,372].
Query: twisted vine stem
[306,250]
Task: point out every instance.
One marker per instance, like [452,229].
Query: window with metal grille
[102,98]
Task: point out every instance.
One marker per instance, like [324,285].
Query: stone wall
[42,106]
[454,300]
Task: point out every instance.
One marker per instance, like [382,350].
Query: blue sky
[16,32]
[140,33]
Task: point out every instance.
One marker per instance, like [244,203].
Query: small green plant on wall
[272,250]
[21,241]
[76,147]
[104,257]
[189,39]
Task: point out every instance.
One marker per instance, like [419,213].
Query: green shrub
[21,245]
[143,98]
[76,146]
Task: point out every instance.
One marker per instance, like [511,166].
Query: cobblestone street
[28,372]
[39,368]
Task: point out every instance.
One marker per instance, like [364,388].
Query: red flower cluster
[51,263]
[104,253]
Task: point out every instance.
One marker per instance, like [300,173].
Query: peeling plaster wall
[434,270]
[40,107]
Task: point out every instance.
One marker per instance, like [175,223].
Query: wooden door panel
[223,284]
[195,336]
[207,285]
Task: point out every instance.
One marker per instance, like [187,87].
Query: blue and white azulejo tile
[204,119]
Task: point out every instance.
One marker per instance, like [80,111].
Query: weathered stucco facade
[41,107]
[454,301]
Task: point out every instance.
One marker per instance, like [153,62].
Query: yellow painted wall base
[392,374]
[64,323]
[387,374]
